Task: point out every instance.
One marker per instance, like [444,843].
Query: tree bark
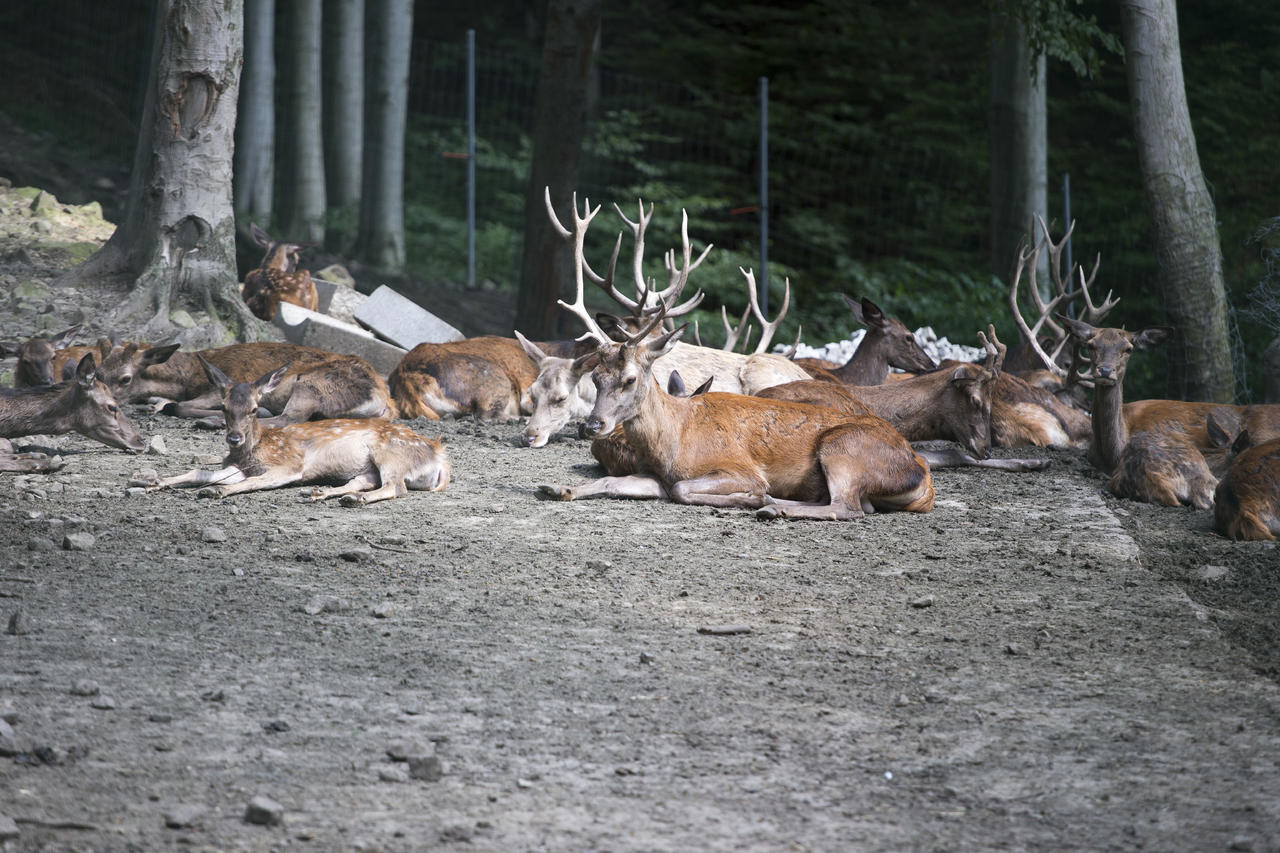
[560,110]
[254,174]
[1018,142]
[175,247]
[1188,252]
[302,203]
[389,31]
[343,113]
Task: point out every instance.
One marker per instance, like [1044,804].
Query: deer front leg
[633,486]
[227,475]
[726,489]
[269,480]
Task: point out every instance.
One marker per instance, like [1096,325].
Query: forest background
[878,149]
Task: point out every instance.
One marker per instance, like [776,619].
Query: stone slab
[403,321]
[312,329]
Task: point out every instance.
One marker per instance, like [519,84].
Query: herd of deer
[762,431]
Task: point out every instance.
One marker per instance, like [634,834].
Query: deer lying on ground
[614,453]
[361,460]
[489,377]
[562,391]
[317,384]
[782,459]
[36,356]
[886,343]
[276,279]
[84,405]
[1246,503]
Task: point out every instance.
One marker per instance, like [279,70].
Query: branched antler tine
[565,233]
[767,328]
[1095,313]
[653,323]
[731,333]
[637,262]
[995,349]
[1027,258]
[579,307]
[697,338]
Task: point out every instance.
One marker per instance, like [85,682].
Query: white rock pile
[841,351]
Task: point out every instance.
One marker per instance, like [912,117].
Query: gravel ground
[1033,665]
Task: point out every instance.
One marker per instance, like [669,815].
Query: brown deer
[562,392]
[276,279]
[783,459]
[84,405]
[1168,468]
[886,343]
[317,384]
[1246,503]
[361,460]
[614,453]
[36,356]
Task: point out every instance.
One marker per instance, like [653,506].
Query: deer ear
[87,371]
[268,383]
[660,346]
[530,348]
[1242,443]
[704,387]
[1078,329]
[1147,338]
[675,384]
[9,348]
[962,375]
[158,355]
[612,326]
[1218,436]
[64,337]
[586,363]
[219,379]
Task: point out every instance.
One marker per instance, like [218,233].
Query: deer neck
[911,406]
[1110,434]
[869,364]
[654,431]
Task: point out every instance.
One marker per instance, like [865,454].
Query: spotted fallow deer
[358,460]
[277,278]
[782,459]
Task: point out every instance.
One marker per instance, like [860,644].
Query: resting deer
[1246,503]
[317,384]
[36,356]
[84,405]
[362,460]
[614,453]
[276,279]
[886,343]
[562,392]
[782,459]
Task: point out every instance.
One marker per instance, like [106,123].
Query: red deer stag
[361,460]
[317,384]
[782,459]
[1246,504]
[562,391]
[276,279]
[84,405]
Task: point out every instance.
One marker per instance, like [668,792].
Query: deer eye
[126,379]
[113,408]
[631,380]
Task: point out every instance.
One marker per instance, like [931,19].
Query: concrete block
[312,329]
[402,321]
[338,299]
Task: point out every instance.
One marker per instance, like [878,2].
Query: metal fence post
[471,158]
[762,286]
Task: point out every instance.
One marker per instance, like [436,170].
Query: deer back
[951,403]
[1247,501]
[444,373]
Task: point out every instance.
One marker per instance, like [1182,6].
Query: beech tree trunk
[254,177]
[343,109]
[389,34]
[1018,134]
[1188,252]
[302,192]
[175,247]
[560,122]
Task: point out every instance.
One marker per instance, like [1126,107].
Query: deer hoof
[556,493]
[351,500]
[209,492]
[769,512]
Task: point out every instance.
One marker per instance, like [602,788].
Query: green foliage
[1061,30]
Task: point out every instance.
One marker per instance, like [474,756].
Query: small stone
[922,602]
[160,718]
[724,630]
[213,534]
[403,750]
[1013,649]
[902,701]
[103,703]
[384,610]
[1212,573]
[81,541]
[426,767]
[524,783]
[85,687]
[324,604]
[135,492]
[275,726]
[8,829]
[646,658]
[156,446]
[357,554]
[41,543]
[181,816]
[8,740]
[392,774]
[238,572]
[264,811]
[20,623]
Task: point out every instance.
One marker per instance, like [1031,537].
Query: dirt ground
[1033,665]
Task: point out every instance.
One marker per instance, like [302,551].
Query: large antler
[767,328]
[580,268]
[647,299]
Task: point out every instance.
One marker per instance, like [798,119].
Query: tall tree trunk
[254,173]
[302,203]
[389,34]
[343,114]
[176,244]
[1018,141]
[560,122]
[1188,252]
